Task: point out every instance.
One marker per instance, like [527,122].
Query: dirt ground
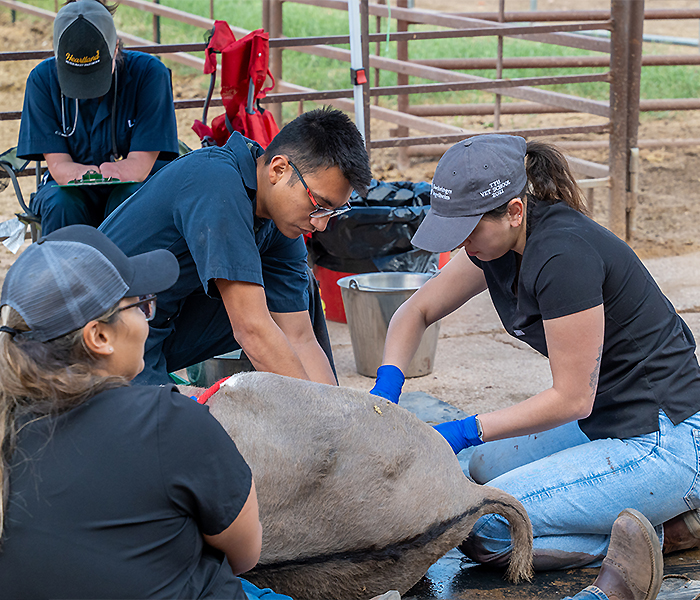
[668,215]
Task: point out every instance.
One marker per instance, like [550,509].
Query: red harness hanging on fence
[244,69]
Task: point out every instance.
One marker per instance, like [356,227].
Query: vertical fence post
[266,15]
[499,68]
[275,29]
[378,48]
[211,9]
[619,90]
[402,101]
[156,25]
[634,69]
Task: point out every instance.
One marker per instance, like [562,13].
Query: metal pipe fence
[415,131]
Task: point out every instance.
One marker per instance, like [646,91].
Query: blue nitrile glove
[389,383]
[460,434]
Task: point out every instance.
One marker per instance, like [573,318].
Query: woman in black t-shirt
[108,491]
[618,427]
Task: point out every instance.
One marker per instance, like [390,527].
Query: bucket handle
[354,285]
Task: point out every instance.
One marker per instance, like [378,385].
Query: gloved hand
[460,434]
[389,383]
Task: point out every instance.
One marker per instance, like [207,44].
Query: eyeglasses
[319,212]
[147,304]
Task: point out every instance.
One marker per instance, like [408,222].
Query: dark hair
[549,180]
[321,139]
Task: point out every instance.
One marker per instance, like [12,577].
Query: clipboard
[94,178]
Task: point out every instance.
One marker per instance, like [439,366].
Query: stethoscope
[66,132]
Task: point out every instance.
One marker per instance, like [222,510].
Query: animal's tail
[520,557]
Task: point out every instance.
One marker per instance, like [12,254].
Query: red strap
[209,392]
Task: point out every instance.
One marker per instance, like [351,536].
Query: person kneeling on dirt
[234,217]
[619,425]
[94,107]
[110,491]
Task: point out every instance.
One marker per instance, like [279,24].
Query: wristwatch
[479,430]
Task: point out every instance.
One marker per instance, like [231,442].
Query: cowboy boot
[633,567]
[682,532]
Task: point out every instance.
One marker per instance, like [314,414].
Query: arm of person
[265,344]
[575,346]
[299,331]
[64,170]
[241,541]
[457,282]
[135,167]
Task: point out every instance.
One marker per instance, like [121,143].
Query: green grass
[322,73]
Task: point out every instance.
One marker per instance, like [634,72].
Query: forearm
[315,362]
[271,351]
[540,412]
[403,337]
[63,170]
[135,167]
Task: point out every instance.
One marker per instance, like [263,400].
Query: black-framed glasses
[147,304]
[319,212]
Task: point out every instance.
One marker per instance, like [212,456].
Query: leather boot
[682,532]
[633,567]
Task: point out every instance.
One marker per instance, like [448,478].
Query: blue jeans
[573,488]
[589,593]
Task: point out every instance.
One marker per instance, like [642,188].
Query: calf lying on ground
[356,494]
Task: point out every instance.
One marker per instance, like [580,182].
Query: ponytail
[41,379]
[550,178]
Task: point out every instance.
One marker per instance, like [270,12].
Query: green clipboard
[94,178]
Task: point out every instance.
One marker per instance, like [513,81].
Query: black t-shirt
[571,264]
[110,500]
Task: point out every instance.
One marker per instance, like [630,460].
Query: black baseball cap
[84,43]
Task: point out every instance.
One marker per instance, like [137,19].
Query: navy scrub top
[145,116]
[201,207]
[571,264]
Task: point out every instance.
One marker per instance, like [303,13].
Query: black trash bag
[376,234]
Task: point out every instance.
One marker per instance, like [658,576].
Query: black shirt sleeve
[204,474]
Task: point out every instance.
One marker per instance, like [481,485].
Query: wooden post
[275,23]
[619,90]
[403,101]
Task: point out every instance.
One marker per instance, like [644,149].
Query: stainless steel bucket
[370,301]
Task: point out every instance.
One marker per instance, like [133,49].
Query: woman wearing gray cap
[108,491]
[619,427]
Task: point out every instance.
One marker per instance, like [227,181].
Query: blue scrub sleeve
[285,275]
[40,119]
[155,127]
[214,216]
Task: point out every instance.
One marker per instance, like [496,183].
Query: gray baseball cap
[84,42]
[76,274]
[473,177]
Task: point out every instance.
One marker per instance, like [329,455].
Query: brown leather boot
[633,567]
[682,532]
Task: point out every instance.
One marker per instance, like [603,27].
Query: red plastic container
[330,290]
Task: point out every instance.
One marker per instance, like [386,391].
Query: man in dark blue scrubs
[234,217]
[94,107]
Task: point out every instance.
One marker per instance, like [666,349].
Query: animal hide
[357,495]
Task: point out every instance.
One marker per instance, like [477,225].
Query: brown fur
[357,495]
